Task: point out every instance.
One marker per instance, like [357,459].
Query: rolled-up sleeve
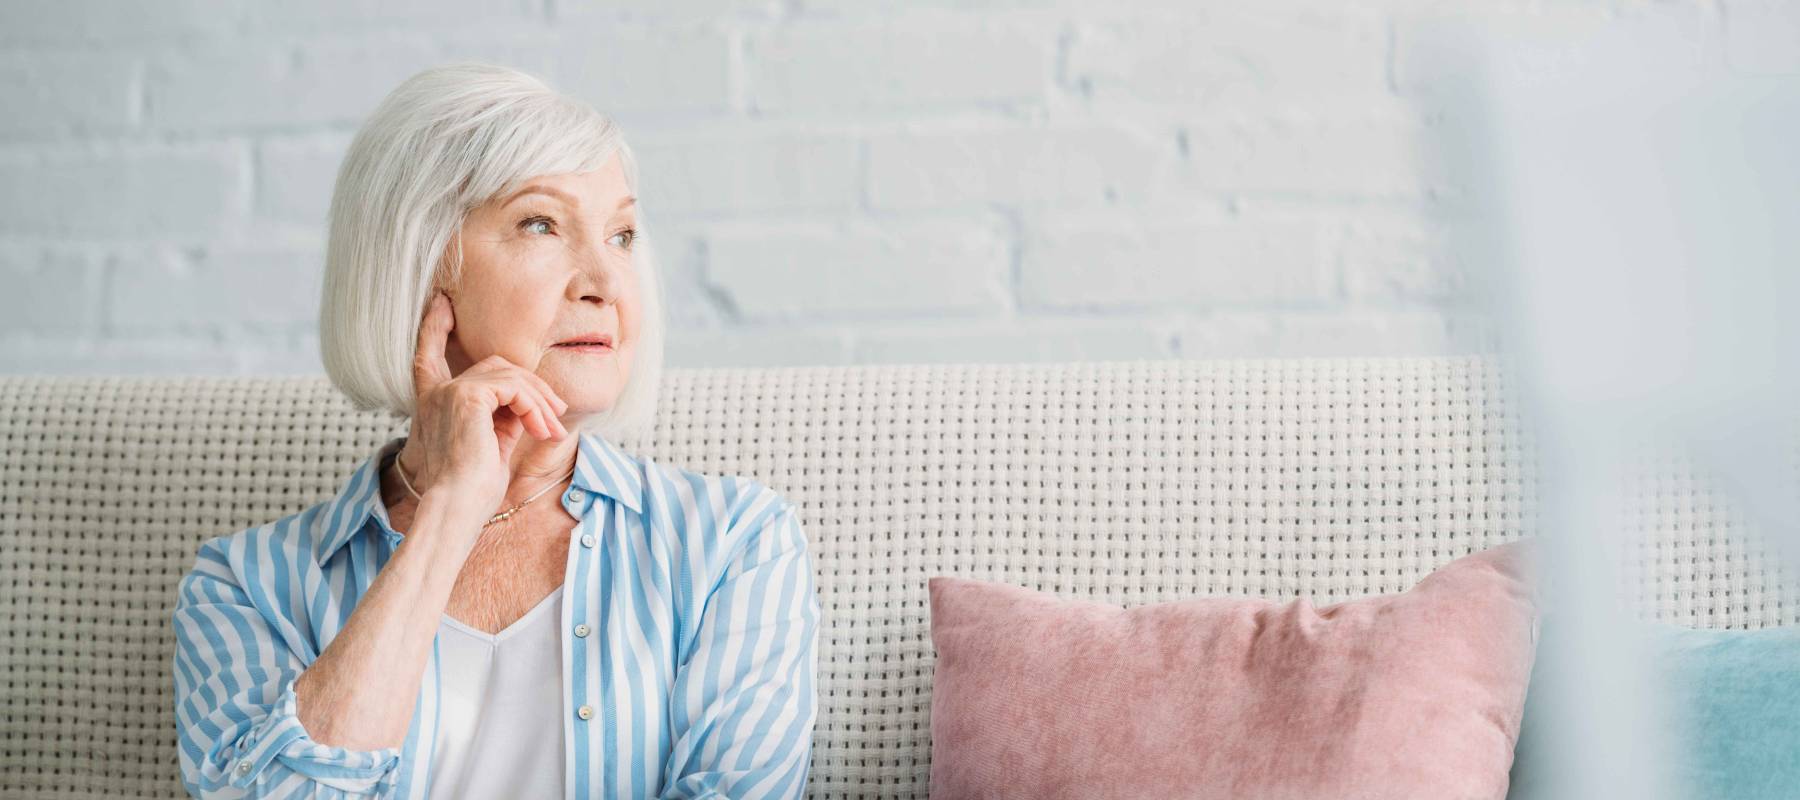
[237,730]
[744,701]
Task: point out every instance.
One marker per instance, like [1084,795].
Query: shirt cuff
[279,741]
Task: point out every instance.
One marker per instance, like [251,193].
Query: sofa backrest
[1126,482]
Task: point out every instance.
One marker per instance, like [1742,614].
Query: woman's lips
[595,349]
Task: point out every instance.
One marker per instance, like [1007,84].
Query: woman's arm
[361,691]
[743,703]
[255,721]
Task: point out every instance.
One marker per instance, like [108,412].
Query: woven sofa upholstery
[1129,482]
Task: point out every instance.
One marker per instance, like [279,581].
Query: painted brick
[1127,264]
[128,356]
[1346,154]
[50,292]
[1396,258]
[355,15]
[253,86]
[277,355]
[836,65]
[756,346]
[633,74]
[673,13]
[1762,37]
[295,177]
[220,291]
[831,182]
[178,192]
[1032,167]
[1370,333]
[1019,341]
[858,270]
[87,21]
[1232,54]
[67,94]
[734,171]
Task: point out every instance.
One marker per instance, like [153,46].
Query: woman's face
[550,263]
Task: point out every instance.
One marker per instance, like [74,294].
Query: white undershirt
[501,730]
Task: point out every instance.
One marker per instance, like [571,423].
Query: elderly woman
[501,603]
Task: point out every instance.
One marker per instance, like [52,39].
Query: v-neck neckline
[517,624]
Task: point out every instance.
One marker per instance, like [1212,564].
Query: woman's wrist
[447,513]
[408,478]
[442,492]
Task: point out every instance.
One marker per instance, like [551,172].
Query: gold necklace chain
[497,517]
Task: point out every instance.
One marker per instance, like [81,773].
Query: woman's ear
[454,355]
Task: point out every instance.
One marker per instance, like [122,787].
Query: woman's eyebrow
[545,190]
[560,195]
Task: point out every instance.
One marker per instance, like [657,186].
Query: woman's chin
[585,408]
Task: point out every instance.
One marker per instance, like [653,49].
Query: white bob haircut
[442,143]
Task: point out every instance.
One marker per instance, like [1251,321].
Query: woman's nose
[597,271]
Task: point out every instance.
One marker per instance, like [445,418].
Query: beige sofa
[1130,482]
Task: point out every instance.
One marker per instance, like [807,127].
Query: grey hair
[442,143]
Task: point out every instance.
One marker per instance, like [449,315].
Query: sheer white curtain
[1638,202]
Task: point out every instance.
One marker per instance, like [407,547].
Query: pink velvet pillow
[1414,695]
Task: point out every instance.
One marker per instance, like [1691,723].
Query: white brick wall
[833,181]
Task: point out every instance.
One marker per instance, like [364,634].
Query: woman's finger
[430,368]
[552,404]
[548,400]
[560,406]
[522,398]
[500,363]
[556,403]
[508,434]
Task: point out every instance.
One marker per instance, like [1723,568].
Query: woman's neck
[548,463]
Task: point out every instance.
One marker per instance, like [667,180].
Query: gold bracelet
[401,468]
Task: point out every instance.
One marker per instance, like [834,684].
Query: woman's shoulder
[717,508]
[309,537]
[288,544]
[730,524]
[742,499]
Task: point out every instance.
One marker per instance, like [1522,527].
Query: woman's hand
[464,428]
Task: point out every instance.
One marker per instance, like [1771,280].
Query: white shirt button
[587,540]
[244,767]
[581,630]
[584,712]
[575,495]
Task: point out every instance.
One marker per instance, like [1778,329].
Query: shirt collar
[600,467]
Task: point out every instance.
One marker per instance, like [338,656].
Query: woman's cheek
[628,309]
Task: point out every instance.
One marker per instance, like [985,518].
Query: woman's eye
[530,224]
[630,236]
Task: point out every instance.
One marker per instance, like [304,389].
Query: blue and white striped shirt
[698,679]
